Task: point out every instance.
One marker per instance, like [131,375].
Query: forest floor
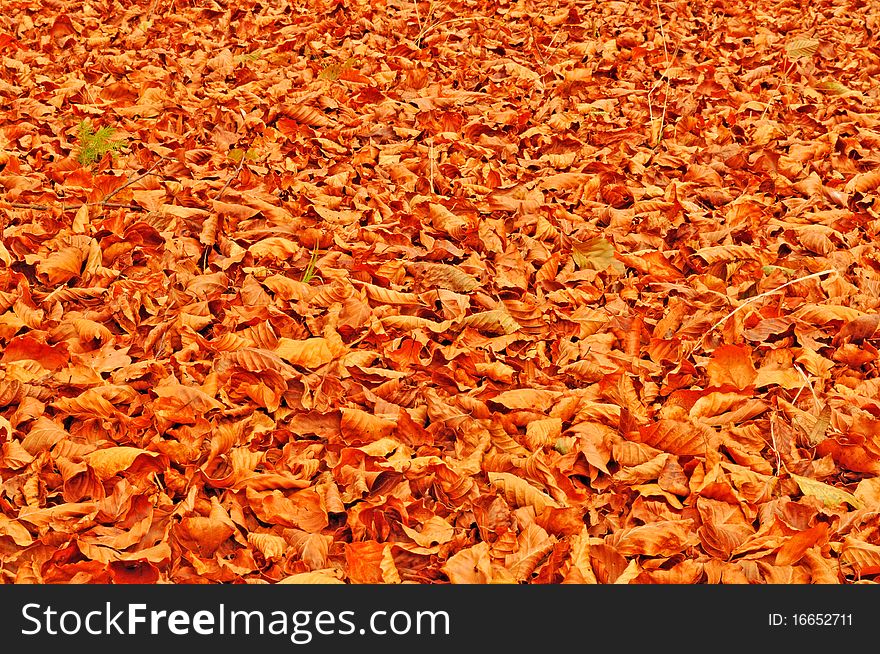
[450,292]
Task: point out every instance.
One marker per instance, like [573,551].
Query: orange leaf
[677,437]
[796,546]
[110,461]
[50,357]
[470,565]
[731,364]
[364,562]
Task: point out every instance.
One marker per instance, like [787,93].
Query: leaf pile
[460,292]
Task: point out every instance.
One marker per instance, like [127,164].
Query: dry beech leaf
[360,425]
[110,461]
[677,437]
[308,353]
[863,557]
[519,492]
[595,254]
[533,544]
[526,398]
[313,577]
[863,182]
[444,276]
[470,566]
[491,322]
[732,364]
[831,496]
[272,547]
[435,531]
[802,48]
[320,316]
[798,544]
[302,114]
[665,538]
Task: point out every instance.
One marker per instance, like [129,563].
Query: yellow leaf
[830,495]
[495,321]
[270,546]
[834,88]
[519,492]
[113,460]
[275,246]
[313,577]
[802,48]
[308,353]
[434,531]
[594,254]
[81,220]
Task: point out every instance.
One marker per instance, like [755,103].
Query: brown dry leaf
[677,437]
[519,492]
[796,546]
[595,254]
[863,557]
[724,527]
[533,544]
[471,565]
[312,577]
[110,461]
[324,314]
[360,426]
[665,538]
[435,530]
[731,364]
[308,353]
[526,398]
[863,182]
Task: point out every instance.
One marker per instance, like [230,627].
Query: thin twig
[810,385]
[101,203]
[235,176]
[662,32]
[134,179]
[418,16]
[775,446]
[72,207]
[665,75]
[765,294]
[433,26]
[433,192]
[150,12]
[120,205]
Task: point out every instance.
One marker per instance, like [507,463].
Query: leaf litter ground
[451,292]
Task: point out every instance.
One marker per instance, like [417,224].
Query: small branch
[133,180]
[120,205]
[36,207]
[765,294]
[72,207]
[433,192]
[433,26]
[150,12]
[233,178]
